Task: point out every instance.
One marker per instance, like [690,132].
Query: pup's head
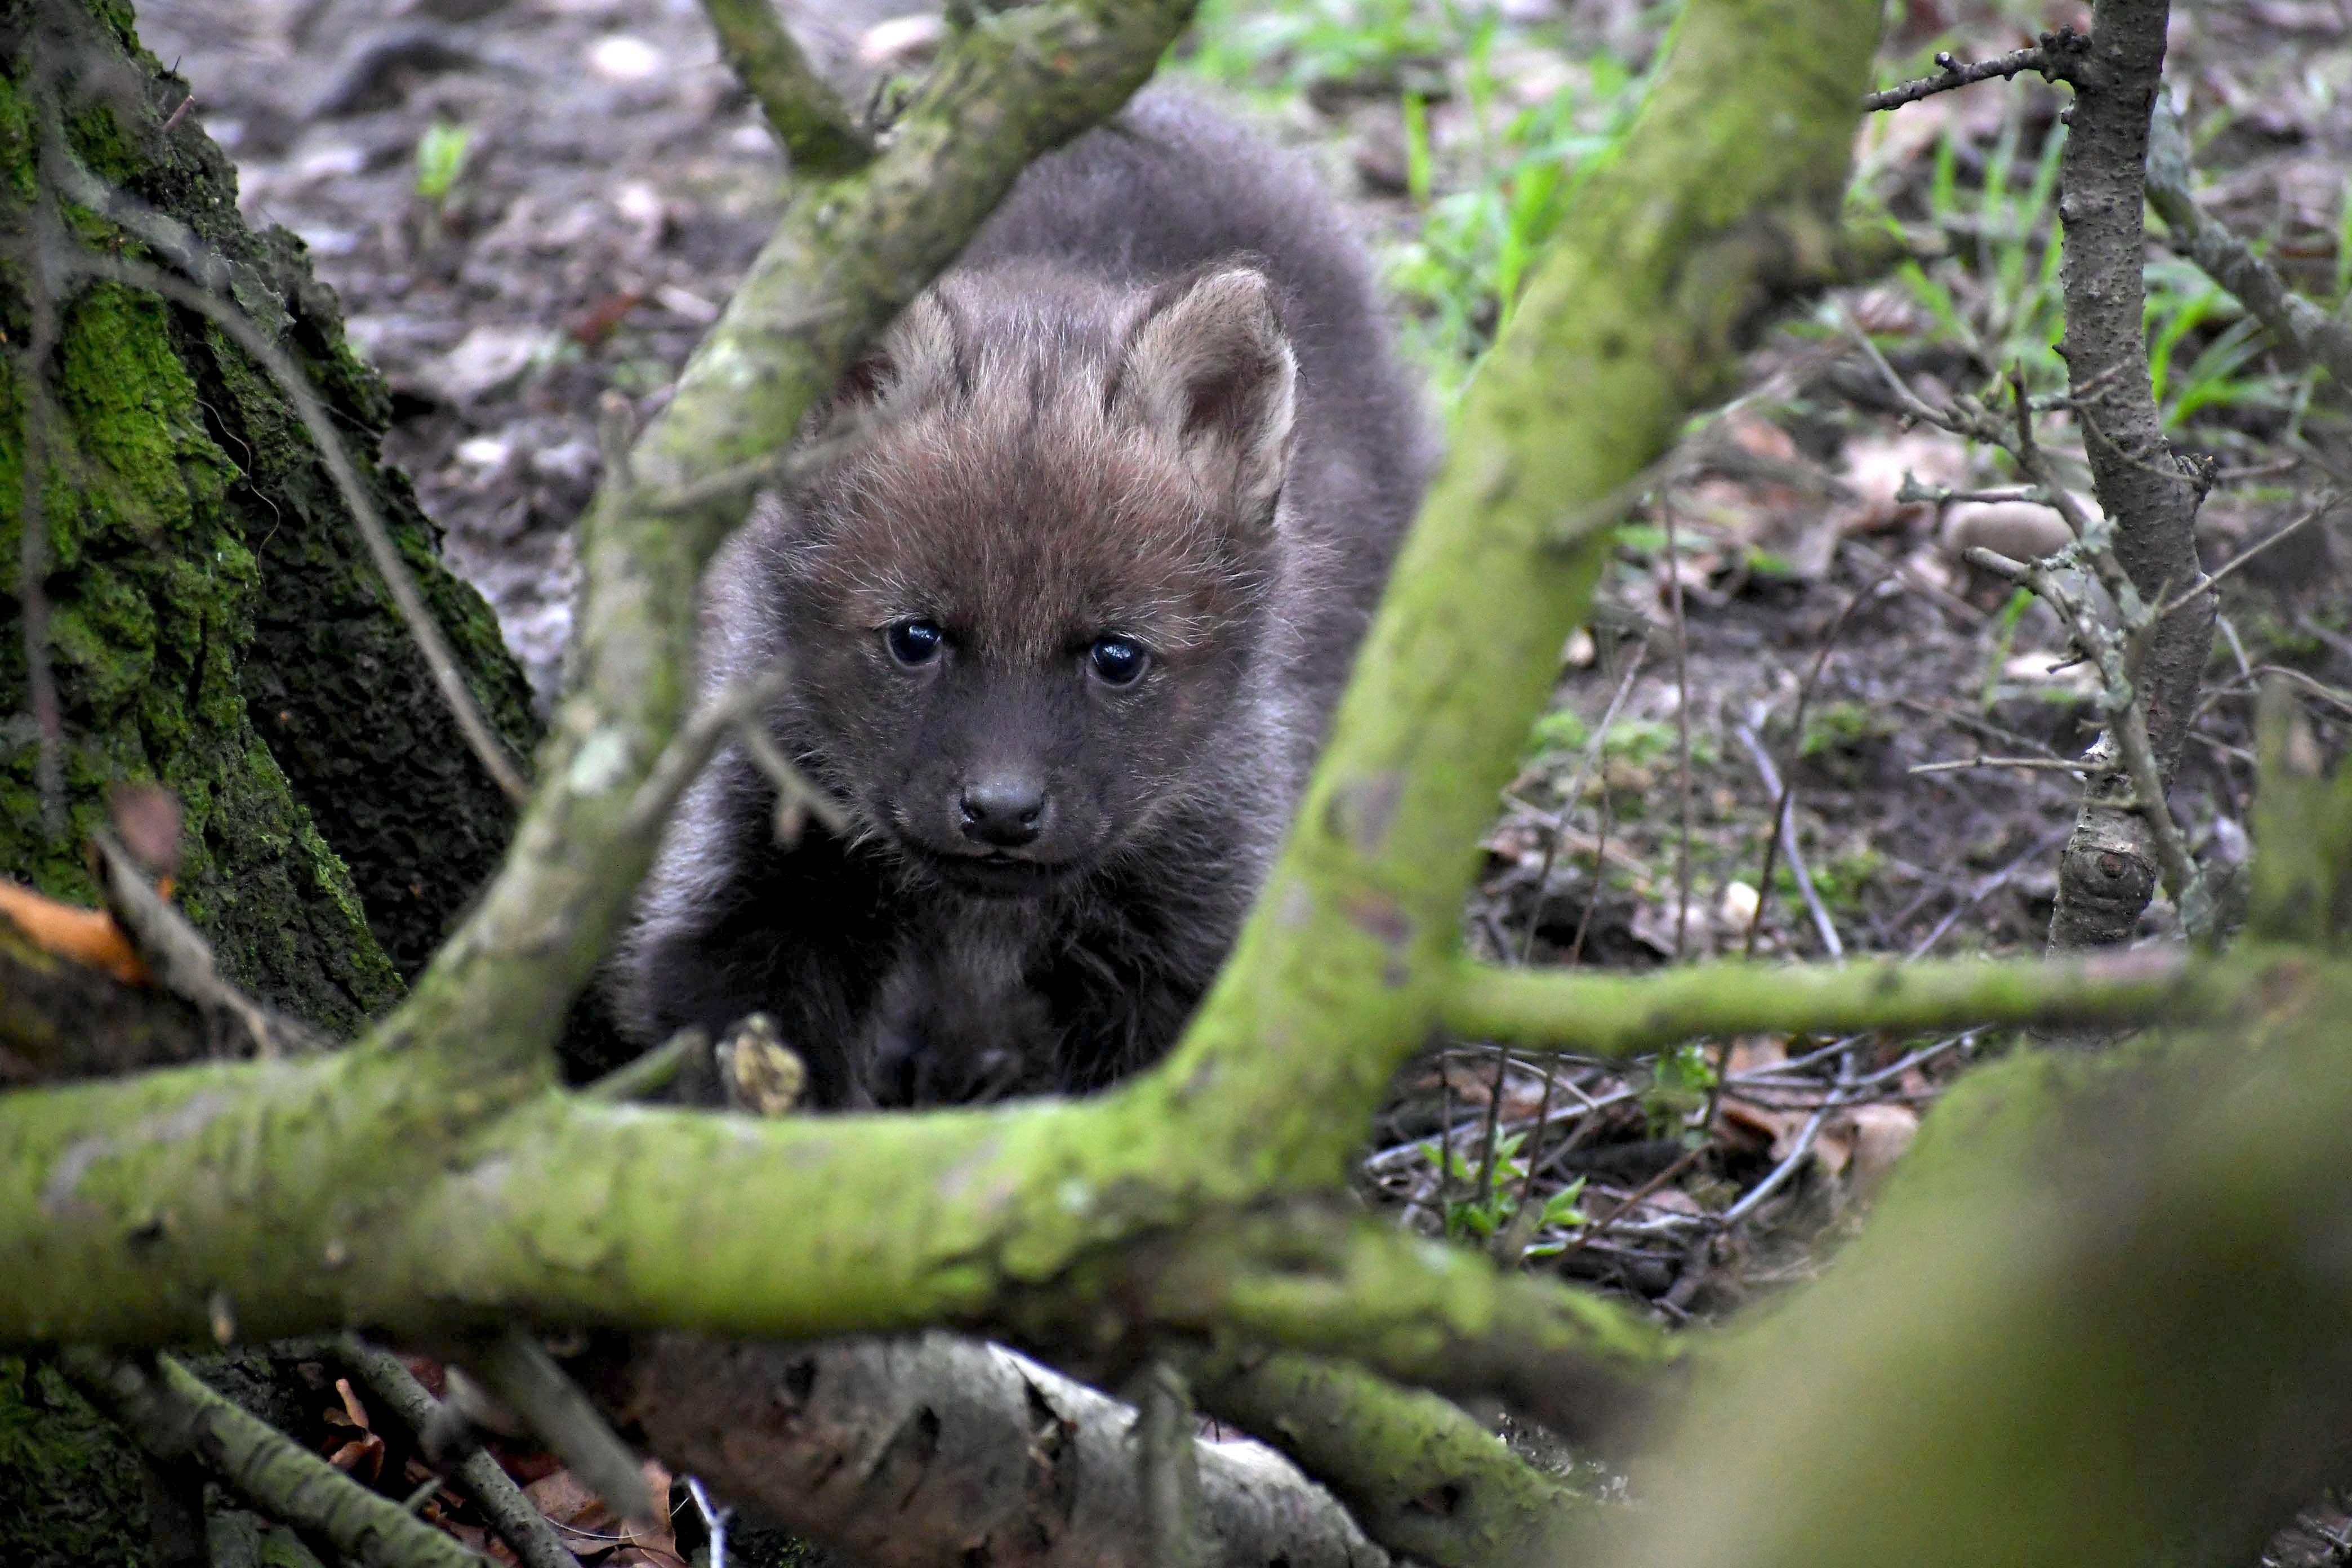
[1024,606]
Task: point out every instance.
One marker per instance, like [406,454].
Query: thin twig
[1971,721]
[2308,331]
[1787,798]
[1600,861]
[1779,1177]
[736,710]
[1598,1228]
[2320,509]
[814,126]
[1585,764]
[517,1521]
[1787,829]
[2054,58]
[1492,1135]
[1957,764]
[1682,722]
[715,1519]
[430,640]
[651,1073]
[2333,697]
[1167,1470]
[515,1367]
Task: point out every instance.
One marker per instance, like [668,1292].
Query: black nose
[1005,811]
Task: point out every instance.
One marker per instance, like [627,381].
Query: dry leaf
[1881,1135]
[363,1453]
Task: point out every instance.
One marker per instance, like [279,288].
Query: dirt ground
[1780,618]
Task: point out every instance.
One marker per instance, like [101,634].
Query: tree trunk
[204,615]
[214,623]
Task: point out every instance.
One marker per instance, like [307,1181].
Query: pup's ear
[919,357]
[1208,367]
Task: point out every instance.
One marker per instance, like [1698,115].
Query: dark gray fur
[895,981]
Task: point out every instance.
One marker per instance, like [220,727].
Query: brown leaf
[147,819]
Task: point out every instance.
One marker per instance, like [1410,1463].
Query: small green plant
[1997,292]
[1461,273]
[1648,743]
[1842,727]
[440,160]
[1481,1216]
[1558,733]
[2186,312]
[1679,1085]
[1840,880]
[1297,44]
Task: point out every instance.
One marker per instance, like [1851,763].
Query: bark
[2108,870]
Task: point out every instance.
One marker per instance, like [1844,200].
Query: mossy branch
[1619,1015]
[175,1416]
[2095,1318]
[814,125]
[1306,1277]
[1421,1475]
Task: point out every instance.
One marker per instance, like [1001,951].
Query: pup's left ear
[1208,366]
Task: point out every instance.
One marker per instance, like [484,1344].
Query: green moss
[15,141]
[151,595]
[132,406]
[109,633]
[98,136]
[71,1491]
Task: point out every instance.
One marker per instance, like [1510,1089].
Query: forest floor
[525,203]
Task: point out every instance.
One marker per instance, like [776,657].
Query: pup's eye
[914,643]
[1117,661]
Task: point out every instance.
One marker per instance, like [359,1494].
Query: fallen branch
[871,1445]
[1422,1478]
[173,1415]
[514,1516]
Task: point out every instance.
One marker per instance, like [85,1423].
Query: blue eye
[1117,661]
[914,643]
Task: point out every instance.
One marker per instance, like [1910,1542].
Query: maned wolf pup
[1065,623]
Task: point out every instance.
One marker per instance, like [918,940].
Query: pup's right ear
[918,358]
